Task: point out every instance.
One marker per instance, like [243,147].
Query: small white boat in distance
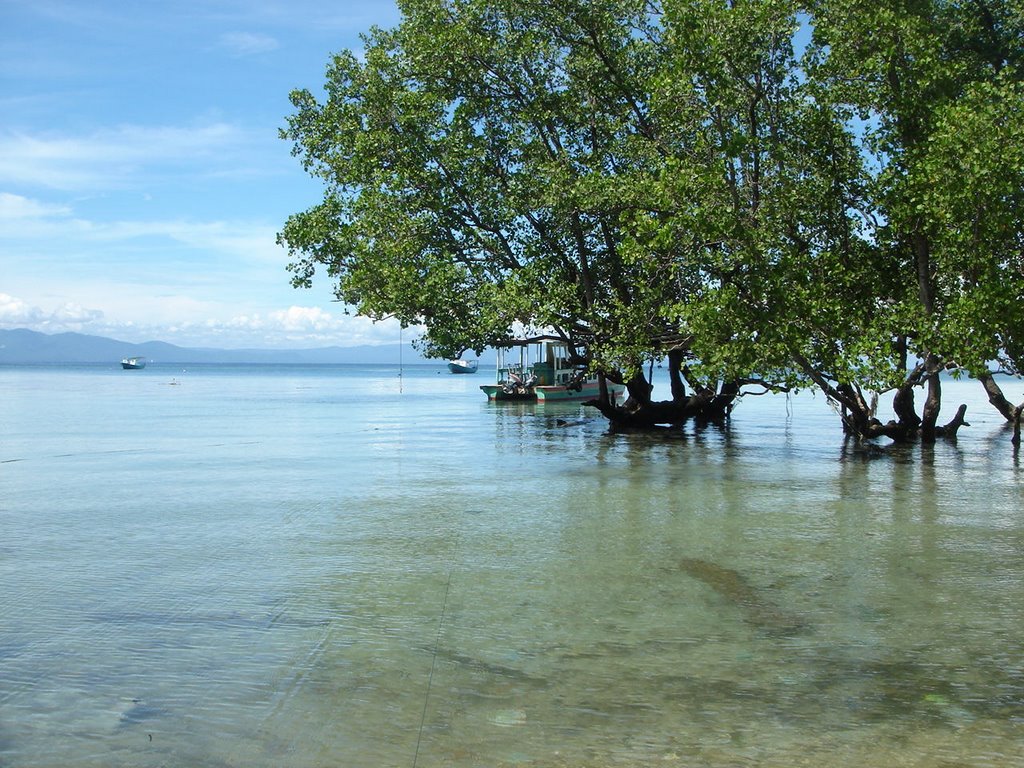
[463,366]
[133,363]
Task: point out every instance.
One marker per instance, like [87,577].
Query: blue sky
[142,180]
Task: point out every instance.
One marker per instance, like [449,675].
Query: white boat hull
[462,366]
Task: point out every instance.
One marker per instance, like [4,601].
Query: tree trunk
[995,396]
[721,404]
[675,366]
[923,259]
[1010,412]
[638,390]
[932,404]
[859,419]
[903,400]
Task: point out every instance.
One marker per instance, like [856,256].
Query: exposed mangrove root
[633,415]
[862,425]
[712,403]
[950,429]
[639,412]
[858,415]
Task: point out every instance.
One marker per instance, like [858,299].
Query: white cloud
[304,319]
[115,158]
[15,313]
[309,15]
[308,326]
[210,325]
[16,207]
[247,43]
[75,315]
[225,237]
[51,232]
[192,283]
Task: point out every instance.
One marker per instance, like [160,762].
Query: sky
[142,178]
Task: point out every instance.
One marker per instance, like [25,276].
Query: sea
[316,566]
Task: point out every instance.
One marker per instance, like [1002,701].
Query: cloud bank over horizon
[295,327]
[142,178]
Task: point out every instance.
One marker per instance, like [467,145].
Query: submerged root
[703,408]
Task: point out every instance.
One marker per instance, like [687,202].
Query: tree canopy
[768,192]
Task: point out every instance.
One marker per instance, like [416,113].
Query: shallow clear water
[338,566]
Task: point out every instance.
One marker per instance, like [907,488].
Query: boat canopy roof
[532,340]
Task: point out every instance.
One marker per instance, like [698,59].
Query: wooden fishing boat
[542,373]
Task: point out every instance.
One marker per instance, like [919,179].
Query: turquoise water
[341,566]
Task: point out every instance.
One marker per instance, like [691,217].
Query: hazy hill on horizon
[21,345]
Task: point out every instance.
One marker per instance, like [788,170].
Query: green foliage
[467,161]
[644,178]
[935,85]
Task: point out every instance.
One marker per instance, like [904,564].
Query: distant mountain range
[25,346]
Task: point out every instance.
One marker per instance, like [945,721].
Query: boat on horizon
[549,377]
[463,366]
[133,363]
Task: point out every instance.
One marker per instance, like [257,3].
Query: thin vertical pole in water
[433,663]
